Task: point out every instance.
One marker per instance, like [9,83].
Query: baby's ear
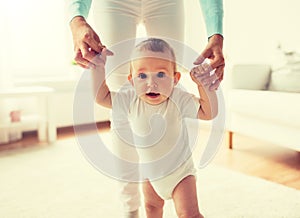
[129,77]
[177,76]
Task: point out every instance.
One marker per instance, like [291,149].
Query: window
[37,40]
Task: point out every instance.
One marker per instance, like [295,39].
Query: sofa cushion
[286,79]
[278,107]
[250,76]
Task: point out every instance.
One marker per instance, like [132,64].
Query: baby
[155,109]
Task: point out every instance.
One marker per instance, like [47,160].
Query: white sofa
[264,104]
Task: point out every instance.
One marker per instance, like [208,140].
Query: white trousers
[116,21]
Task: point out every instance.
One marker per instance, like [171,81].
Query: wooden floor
[262,159]
[249,156]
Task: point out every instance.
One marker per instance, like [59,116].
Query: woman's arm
[212,11]
[78,8]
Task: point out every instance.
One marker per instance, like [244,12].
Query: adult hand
[87,43]
[214,52]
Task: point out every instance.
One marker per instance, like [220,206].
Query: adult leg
[127,172]
[153,202]
[115,22]
[185,198]
[165,18]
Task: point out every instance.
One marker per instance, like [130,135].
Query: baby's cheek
[140,87]
[166,87]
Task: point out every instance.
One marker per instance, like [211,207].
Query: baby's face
[153,78]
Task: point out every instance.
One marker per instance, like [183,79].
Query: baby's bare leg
[153,202]
[185,198]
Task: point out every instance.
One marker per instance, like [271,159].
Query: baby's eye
[161,74]
[142,76]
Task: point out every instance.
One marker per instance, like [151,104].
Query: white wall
[4,37]
[254,28]
[38,41]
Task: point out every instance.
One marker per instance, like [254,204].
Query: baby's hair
[156,45]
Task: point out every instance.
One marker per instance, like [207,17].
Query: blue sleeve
[212,11]
[78,8]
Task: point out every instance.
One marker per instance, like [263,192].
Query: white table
[47,127]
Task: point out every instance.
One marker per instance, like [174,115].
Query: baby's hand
[203,75]
[103,55]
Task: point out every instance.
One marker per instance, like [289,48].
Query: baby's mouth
[152,94]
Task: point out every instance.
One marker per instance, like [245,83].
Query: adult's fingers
[81,65]
[207,81]
[215,85]
[217,60]
[220,72]
[93,42]
[90,55]
[80,60]
[199,60]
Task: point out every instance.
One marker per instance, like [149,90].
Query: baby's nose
[151,82]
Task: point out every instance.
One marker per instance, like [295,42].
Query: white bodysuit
[159,135]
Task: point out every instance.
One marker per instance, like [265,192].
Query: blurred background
[36,45]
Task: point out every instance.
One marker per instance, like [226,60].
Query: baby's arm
[101,90]
[208,99]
